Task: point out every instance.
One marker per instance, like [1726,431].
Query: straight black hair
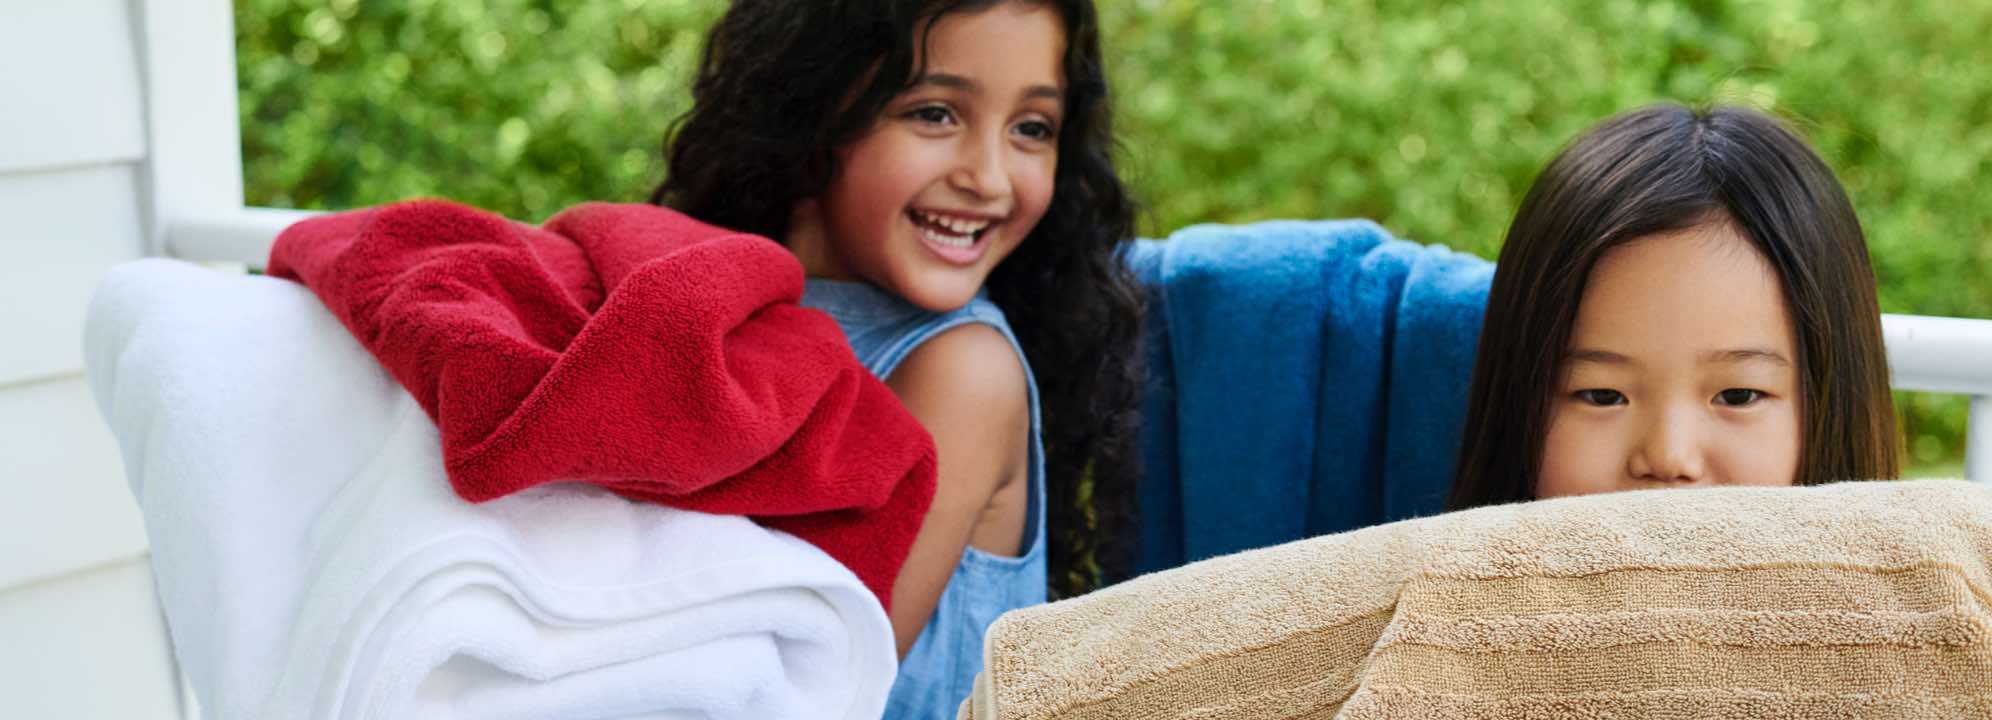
[1655,170]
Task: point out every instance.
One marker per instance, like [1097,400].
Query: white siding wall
[80,630]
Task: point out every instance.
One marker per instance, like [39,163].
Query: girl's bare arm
[967,387]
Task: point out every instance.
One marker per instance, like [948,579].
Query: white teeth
[959,241]
[964,227]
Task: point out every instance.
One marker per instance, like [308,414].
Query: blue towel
[1305,378]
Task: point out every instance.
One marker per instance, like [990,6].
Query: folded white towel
[313,561]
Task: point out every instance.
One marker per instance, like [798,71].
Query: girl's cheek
[1038,188]
[1045,180]
[1765,451]
[1577,458]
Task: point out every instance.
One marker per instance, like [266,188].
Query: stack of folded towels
[1856,600]
[314,557]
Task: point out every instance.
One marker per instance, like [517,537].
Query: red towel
[630,347]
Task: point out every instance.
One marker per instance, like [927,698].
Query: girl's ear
[806,231]
[807,211]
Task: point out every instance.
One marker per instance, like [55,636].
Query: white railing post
[193,136]
[1948,355]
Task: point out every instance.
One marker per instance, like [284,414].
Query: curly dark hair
[783,84]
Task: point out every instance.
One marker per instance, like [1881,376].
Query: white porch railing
[1947,355]
[1925,354]
[243,236]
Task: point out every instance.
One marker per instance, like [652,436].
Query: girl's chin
[939,295]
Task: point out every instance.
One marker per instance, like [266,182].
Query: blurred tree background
[1430,117]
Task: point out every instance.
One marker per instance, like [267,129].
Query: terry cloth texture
[633,348]
[1305,378]
[1856,600]
[313,562]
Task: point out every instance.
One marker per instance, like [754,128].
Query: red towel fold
[630,347]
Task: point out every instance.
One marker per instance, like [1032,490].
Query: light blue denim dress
[939,671]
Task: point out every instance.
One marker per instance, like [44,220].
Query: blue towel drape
[1305,378]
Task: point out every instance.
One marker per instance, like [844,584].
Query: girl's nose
[979,171]
[1671,451]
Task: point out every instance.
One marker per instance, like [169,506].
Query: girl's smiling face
[1680,371]
[956,170]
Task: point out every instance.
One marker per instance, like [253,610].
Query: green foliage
[1430,117]
[520,106]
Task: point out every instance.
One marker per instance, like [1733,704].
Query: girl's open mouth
[955,239]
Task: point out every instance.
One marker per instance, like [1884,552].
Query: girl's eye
[1601,397]
[1037,130]
[932,114]
[1738,397]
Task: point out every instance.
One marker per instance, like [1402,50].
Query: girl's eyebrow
[970,86]
[1746,355]
[1605,357]
[1737,355]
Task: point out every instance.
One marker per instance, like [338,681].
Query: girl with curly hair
[942,169]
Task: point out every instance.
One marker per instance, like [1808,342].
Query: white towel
[313,561]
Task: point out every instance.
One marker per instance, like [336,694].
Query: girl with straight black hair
[1684,298]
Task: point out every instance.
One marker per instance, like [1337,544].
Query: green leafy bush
[1430,117]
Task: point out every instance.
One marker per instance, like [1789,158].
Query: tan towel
[1858,600]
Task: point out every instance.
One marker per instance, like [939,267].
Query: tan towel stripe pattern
[1920,588]
[1660,705]
[1855,600]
